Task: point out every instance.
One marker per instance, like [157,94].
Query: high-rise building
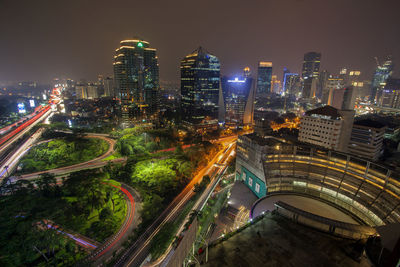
[344,98]
[344,74]
[136,79]
[353,77]
[246,72]
[200,84]
[238,96]
[310,72]
[291,84]
[276,85]
[321,86]
[333,83]
[81,91]
[391,94]
[92,91]
[264,77]
[367,139]
[327,127]
[382,73]
[109,87]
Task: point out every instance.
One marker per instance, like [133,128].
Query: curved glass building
[368,191]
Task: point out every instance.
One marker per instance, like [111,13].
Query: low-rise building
[367,139]
[327,127]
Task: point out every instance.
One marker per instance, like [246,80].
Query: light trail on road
[125,227]
[139,250]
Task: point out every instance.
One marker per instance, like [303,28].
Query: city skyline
[80,46]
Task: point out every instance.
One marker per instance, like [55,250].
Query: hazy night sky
[43,39]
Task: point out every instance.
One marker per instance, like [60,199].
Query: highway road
[138,252]
[8,165]
[18,132]
[221,166]
[105,252]
[8,128]
[91,164]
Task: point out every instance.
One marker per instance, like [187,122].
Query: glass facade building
[200,82]
[264,76]
[238,100]
[136,79]
[310,73]
[291,83]
[382,73]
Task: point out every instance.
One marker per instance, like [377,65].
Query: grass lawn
[115,155]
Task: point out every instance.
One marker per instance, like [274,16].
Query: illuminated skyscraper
[321,85]
[310,72]
[246,72]
[264,77]
[200,82]
[238,96]
[136,79]
[109,87]
[276,85]
[382,73]
[291,84]
[333,83]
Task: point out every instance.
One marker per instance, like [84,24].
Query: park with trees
[60,152]
[84,203]
[159,175]
[155,165]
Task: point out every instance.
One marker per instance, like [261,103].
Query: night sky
[43,39]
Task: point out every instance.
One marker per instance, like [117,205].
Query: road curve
[104,252]
[93,163]
[139,250]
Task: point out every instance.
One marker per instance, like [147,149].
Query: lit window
[257,188]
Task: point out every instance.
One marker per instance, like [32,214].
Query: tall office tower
[367,139]
[343,73]
[92,91]
[264,77]
[391,94]
[285,70]
[291,84]
[200,83]
[344,98]
[109,87]
[275,85]
[333,83]
[327,127]
[382,73]
[353,77]
[321,85]
[246,72]
[136,79]
[81,91]
[238,94]
[311,64]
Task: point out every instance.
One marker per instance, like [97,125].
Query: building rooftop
[264,141]
[370,123]
[277,241]
[325,111]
